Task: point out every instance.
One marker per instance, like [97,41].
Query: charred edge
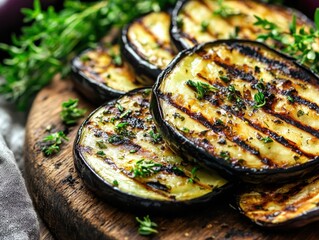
[273,64]
[158,42]
[307,103]
[199,117]
[297,124]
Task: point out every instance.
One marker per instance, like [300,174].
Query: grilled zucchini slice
[100,74]
[286,206]
[121,156]
[199,21]
[247,110]
[146,45]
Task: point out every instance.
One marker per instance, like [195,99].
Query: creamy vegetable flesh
[242,104]
[105,66]
[121,144]
[199,21]
[150,38]
[295,202]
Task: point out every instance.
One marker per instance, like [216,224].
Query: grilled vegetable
[199,21]
[250,111]
[122,157]
[146,45]
[100,74]
[286,206]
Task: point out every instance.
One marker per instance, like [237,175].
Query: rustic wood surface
[71,211]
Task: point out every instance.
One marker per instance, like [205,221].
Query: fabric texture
[18,220]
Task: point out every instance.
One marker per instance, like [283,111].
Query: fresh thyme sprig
[302,43]
[70,112]
[147,227]
[50,40]
[202,89]
[54,141]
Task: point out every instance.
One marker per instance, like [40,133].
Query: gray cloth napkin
[18,219]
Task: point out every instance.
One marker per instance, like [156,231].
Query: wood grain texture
[71,211]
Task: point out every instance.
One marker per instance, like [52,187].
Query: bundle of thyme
[52,38]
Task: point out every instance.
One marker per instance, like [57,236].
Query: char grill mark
[307,103]
[285,69]
[158,42]
[217,129]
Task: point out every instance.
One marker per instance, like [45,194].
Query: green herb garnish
[225,11]
[203,26]
[225,79]
[147,227]
[193,177]
[300,113]
[54,141]
[260,99]
[115,183]
[101,144]
[156,137]
[290,99]
[202,89]
[51,38]
[144,168]
[225,155]
[266,140]
[70,112]
[100,153]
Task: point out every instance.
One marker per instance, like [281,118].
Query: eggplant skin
[283,207]
[227,130]
[148,56]
[187,25]
[99,78]
[117,137]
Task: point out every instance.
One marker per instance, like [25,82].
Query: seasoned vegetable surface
[101,73]
[127,157]
[289,205]
[248,110]
[199,21]
[146,45]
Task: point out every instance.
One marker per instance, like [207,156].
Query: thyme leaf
[147,227]
[202,89]
[70,112]
[54,141]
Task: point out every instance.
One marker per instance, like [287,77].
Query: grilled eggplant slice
[286,206]
[246,110]
[199,21]
[100,74]
[146,45]
[121,156]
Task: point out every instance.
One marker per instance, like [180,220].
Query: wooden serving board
[71,211]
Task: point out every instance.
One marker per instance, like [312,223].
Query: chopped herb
[300,113]
[202,89]
[115,139]
[180,22]
[116,59]
[54,141]
[120,107]
[260,99]
[147,227]
[177,115]
[101,144]
[193,177]
[290,99]
[100,153]
[133,151]
[144,168]
[185,130]
[225,11]
[204,25]
[156,137]
[126,113]
[147,91]
[219,122]
[70,112]
[115,183]
[177,171]
[235,34]
[85,58]
[225,155]
[112,120]
[121,126]
[266,140]
[225,79]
